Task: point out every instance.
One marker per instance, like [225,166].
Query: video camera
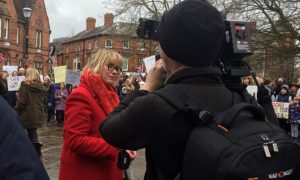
[236,45]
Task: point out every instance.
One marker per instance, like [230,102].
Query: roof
[116,29]
[19,5]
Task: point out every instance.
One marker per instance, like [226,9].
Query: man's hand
[132,154]
[155,78]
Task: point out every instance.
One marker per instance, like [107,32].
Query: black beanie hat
[191,33]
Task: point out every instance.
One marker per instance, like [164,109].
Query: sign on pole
[14,83]
[60,74]
[73,77]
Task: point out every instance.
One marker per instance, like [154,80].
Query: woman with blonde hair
[85,155]
[30,105]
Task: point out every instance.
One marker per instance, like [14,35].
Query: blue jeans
[33,136]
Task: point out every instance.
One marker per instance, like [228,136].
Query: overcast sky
[67,17]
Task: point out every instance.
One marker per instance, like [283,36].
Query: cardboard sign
[60,74]
[73,77]
[281,109]
[149,62]
[252,90]
[14,83]
[10,69]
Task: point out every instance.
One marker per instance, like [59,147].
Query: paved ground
[51,137]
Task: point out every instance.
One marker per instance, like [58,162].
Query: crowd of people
[285,91]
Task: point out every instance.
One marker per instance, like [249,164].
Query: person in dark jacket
[50,105]
[3,85]
[144,119]
[17,155]
[30,105]
[12,95]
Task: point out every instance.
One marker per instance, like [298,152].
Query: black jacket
[146,121]
[18,158]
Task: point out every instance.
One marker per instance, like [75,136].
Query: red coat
[85,155]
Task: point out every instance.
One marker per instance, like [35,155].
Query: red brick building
[13,34]
[119,36]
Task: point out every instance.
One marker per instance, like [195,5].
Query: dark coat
[30,105]
[146,121]
[3,89]
[51,96]
[18,158]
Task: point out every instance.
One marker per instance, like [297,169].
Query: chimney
[90,23]
[108,19]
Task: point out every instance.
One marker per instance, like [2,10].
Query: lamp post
[27,13]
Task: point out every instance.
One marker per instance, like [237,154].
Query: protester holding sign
[30,105]
[11,95]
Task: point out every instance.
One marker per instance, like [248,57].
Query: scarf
[106,95]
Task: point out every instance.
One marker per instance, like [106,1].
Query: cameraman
[190,37]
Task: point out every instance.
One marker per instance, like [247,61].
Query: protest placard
[60,74]
[14,83]
[252,90]
[149,62]
[281,109]
[10,69]
[73,77]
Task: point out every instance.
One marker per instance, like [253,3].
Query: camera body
[236,44]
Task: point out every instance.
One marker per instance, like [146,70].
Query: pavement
[52,140]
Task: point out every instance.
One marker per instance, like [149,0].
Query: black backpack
[235,144]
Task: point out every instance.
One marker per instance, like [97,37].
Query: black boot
[37,146]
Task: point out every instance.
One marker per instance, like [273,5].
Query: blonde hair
[32,75]
[102,56]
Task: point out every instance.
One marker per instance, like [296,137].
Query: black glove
[263,96]
[124,160]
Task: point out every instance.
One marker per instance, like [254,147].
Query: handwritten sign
[60,74]
[252,90]
[10,69]
[149,62]
[14,83]
[281,109]
[73,77]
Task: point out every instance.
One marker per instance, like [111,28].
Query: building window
[67,49]
[38,39]
[96,44]
[126,45]
[18,34]
[141,46]
[6,23]
[76,63]
[90,45]
[125,64]
[39,66]
[108,43]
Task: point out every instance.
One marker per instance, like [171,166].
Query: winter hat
[285,87]
[191,33]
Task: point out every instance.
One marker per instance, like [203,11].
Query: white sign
[149,62]
[14,83]
[73,77]
[252,90]
[10,69]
